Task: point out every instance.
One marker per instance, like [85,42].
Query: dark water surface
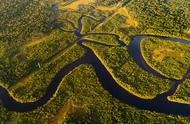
[158,104]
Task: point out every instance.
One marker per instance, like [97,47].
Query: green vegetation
[171,59]
[165,18]
[23,19]
[182,93]
[88,24]
[32,87]
[83,88]
[19,62]
[111,25]
[71,16]
[132,77]
[37,40]
[105,39]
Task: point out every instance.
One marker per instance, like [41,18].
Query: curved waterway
[158,104]
[136,53]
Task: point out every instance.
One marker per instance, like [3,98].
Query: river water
[158,104]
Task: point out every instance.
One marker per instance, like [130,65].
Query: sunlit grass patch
[75,4]
[169,58]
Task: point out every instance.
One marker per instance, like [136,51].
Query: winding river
[158,104]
